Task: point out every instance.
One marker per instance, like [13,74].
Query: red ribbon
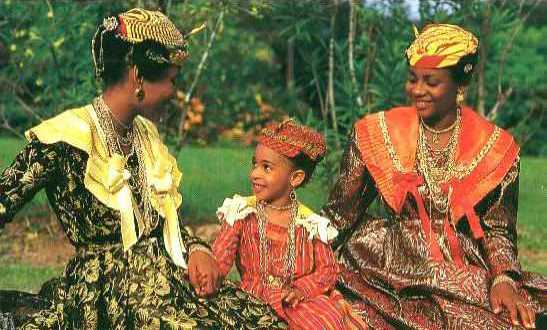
[408,183]
[460,197]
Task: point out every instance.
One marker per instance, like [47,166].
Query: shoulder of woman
[236,208]
[71,126]
[318,227]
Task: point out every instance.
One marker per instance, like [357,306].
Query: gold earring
[292,195]
[139,91]
[460,97]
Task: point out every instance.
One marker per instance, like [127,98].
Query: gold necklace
[437,167]
[114,146]
[278,208]
[437,132]
[114,140]
[290,253]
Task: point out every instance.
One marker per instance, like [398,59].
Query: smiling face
[157,93]
[273,176]
[432,92]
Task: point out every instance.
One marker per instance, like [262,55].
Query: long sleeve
[325,273]
[499,222]
[32,169]
[226,245]
[352,193]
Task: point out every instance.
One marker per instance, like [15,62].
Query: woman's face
[157,94]
[432,92]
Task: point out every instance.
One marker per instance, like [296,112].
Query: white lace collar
[239,207]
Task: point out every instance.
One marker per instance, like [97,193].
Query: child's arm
[325,272]
[226,246]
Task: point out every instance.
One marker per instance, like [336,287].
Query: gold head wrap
[440,46]
[138,25]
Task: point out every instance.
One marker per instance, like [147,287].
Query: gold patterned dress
[124,275]
[405,264]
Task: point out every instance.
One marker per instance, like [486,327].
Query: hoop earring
[292,195]
[460,97]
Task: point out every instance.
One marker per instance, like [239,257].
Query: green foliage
[277,52]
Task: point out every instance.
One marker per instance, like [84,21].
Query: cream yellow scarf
[108,180]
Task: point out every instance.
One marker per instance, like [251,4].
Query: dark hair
[306,164]
[119,55]
[457,72]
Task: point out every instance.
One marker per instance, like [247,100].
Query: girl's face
[273,176]
[156,94]
[432,92]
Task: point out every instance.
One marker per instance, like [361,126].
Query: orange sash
[388,141]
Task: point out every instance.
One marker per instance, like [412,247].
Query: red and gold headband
[440,46]
[289,139]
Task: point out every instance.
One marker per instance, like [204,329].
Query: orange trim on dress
[388,143]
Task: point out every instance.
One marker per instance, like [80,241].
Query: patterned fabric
[440,46]
[138,25]
[106,176]
[290,139]
[316,273]
[104,287]
[387,271]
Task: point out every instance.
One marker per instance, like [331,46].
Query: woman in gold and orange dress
[440,251]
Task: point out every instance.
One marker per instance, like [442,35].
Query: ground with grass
[33,248]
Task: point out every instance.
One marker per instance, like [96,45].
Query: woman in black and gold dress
[114,187]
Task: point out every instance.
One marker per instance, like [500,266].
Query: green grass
[17,276]
[209,175]
[214,173]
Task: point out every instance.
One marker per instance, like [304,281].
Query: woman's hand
[203,273]
[504,295]
[293,297]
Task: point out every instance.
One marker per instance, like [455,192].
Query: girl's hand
[203,273]
[504,295]
[293,297]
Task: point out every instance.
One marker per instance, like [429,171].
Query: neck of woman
[442,121]
[122,111]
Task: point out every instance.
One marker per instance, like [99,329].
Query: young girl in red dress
[280,246]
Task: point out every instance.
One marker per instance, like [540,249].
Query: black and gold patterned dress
[107,286]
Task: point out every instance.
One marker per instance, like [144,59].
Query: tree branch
[27,108]
[483,50]
[5,124]
[201,65]
[501,99]
[503,95]
[322,105]
[330,91]
[371,53]
[351,37]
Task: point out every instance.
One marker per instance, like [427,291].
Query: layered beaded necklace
[133,142]
[437,165]
[289,259]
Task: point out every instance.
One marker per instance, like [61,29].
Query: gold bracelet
[200,247]
[503,278]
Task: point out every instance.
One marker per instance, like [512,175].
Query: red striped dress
[316,273]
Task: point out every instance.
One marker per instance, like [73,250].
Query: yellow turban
[440,46]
